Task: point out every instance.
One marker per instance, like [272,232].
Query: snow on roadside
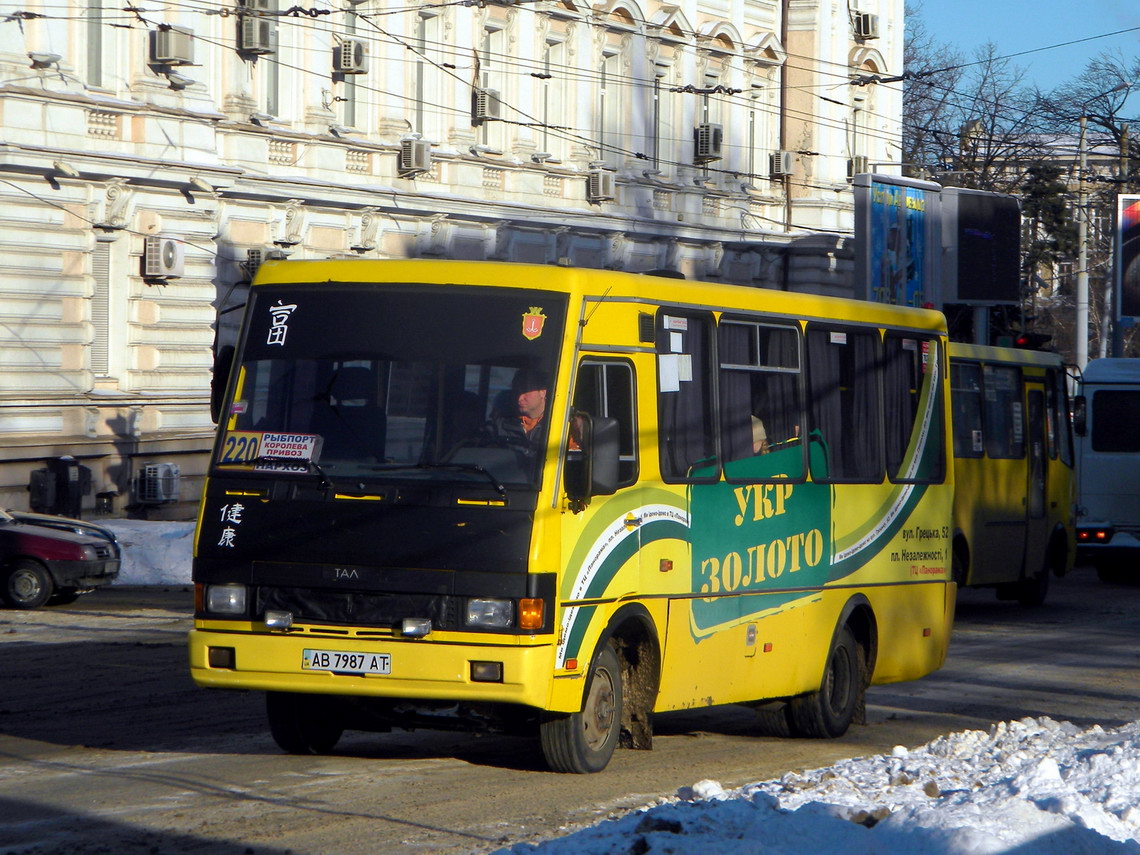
[1030,787]
[154,553]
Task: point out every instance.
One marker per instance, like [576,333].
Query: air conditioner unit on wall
[350,57]
[415,157]
[866,25]
[163,257]
[158,484]
[601,185]
[485,104]
[172,46]
[253,259]
[256,35]
[781,163]
[708,141]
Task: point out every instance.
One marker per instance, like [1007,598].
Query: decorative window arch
[765,49]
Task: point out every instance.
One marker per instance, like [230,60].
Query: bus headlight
[490,613]
[226,599]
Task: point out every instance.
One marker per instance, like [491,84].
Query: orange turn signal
[530,613]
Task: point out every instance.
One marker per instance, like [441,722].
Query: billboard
[1128,256]
[898,240]
[982,265]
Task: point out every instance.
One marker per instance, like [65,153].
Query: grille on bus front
[358,608]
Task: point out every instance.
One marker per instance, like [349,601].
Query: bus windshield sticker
[839,338]
[279,322]
[238,408]
[240,447]
[253,446]
[289,446]
[532,321]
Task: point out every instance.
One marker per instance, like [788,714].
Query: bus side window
[759,398]
[605,388]
[908,395]
[843,384]
[966,401]
[1004,412]
[685,378]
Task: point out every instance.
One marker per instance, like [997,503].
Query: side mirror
[1080,415]
[592,468]
[223,362]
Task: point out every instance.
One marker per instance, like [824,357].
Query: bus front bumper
[419,669]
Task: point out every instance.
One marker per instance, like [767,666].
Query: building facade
[151,157]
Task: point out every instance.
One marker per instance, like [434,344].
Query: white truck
[1106,421]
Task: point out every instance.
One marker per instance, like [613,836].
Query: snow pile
[1031,787]
[154,553]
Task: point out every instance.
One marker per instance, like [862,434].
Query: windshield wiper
[456,467]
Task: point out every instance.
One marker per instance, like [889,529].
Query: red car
[51,560]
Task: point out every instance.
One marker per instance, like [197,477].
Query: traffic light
[1032,340]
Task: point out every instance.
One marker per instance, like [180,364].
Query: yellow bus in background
[1013,470]
[731,495]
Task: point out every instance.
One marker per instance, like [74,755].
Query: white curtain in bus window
[760,413]
[843,389]
[687,431]
[1115,415]
[1004,412]
[966,402]
[911,403]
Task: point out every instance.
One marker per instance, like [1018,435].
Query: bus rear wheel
[303,724]
[584,741]
[828,712]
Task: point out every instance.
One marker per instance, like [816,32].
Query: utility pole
[1081,345]
[1118,277]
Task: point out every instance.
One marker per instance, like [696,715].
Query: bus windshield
[402,382]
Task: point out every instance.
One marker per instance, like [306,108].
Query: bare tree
[933,71]
[976,123]
[1099,95]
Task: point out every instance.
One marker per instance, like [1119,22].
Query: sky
[1026,25]
[1029,787]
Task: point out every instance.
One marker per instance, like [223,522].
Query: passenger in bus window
[759,437]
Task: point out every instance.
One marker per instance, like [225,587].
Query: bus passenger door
[1036,518]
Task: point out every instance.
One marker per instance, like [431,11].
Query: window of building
[554,86]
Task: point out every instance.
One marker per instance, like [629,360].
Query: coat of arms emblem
[532,321]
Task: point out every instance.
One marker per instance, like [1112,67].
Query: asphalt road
[106,746]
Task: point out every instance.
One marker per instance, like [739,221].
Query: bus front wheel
[584,741]
[828,712]
[302,724]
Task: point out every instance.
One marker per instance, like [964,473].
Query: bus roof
[1010,355]
[1112,370]
[597,284]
